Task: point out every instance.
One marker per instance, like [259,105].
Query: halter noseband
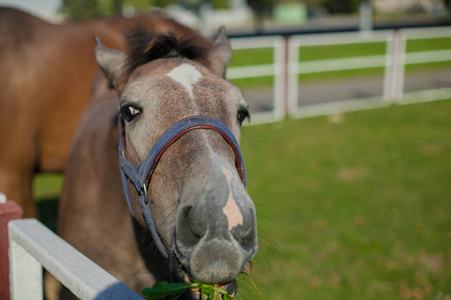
[140,175]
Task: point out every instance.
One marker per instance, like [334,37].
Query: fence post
[366,18]
[292,91]
[25,274]
[281,77]
[394,72]
[9,210]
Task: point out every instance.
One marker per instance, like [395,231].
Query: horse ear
[111,62]
[220,54]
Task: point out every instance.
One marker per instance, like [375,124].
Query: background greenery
[87,9]
[349,207]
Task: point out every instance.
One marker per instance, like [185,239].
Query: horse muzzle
[207,248]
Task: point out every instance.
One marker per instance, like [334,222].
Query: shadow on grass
[48,211]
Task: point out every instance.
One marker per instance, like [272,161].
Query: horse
[154,187]
[46,75]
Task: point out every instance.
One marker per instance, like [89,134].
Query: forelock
[143,47]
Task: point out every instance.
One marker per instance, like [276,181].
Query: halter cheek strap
[140,175]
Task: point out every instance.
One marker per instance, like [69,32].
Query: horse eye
[129,112]
[243,113]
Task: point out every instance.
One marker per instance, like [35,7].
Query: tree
[80,9]
[89,9]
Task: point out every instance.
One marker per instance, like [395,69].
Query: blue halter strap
[140,175]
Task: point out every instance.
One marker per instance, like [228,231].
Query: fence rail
[276,69]
[287,66]
[33,246]
[393,61]
[328,65]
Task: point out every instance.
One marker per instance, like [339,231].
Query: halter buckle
[144,192]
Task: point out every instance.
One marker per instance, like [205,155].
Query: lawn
[354,209]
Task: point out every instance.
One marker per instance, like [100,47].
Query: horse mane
[144,46]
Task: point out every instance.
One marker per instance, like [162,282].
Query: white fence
[33,246]
[287,99]
[318,66]
[276,69]
[421,57]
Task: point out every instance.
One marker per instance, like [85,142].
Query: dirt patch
[349,174]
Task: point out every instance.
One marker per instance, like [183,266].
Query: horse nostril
[187,211]
[248,241]
[189,232]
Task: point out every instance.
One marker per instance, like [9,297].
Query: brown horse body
[46,75]
[202,212]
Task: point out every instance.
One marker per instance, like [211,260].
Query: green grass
[247,57]
[428,44]
[255,82]
[357,210]
[46,186]
[310,53]
[46,189]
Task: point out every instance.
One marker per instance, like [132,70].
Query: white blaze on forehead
[231,209]
[187,75]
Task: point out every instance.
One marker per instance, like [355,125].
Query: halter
[140,175]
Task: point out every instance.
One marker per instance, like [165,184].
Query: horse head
[182,169]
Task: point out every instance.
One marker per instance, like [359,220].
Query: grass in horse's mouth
[206,291]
